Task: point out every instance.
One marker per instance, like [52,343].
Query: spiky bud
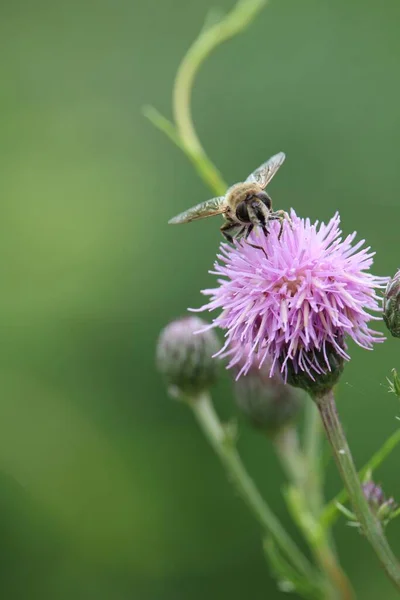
[317,381]
[391,305]
[184,357]
[382,507]
[267,402]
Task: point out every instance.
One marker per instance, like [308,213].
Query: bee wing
[263,175]
[209,208]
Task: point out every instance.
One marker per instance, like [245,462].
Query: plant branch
[312,456]
[304,499]
[183,132]
[233,23]
[223,445]
[370,526]
[331,513]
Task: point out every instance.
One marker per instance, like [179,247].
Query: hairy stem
[370,526]
[226,451]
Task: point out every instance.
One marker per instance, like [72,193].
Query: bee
[245,205]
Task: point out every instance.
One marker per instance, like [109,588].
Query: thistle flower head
[296,301]
[391,305]
[185,359]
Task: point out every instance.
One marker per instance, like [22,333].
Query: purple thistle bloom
[297,301]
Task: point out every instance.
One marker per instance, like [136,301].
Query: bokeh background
[107,489]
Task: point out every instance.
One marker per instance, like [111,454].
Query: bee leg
[230,231]
[281,216]
[280,228]
[249,230]
[228,237]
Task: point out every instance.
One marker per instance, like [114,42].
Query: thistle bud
[185,357]
[317,381]
[383,508]
[267,402]
[391,305]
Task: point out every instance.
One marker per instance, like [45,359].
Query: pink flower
[302,297]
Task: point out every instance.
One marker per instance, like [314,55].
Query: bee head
[251,199]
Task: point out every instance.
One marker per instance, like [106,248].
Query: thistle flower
[391,305]
[185,359]
[296,300]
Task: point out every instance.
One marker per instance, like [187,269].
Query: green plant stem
[312,456]
[224,447]
[288,450]
[312,434]
[331,513]
[303,499]
[315,476]
[370,526]
[239,17]
[182,132]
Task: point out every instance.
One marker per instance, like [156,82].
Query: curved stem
[239,17]
[223,445]
[370,525]
[305,500]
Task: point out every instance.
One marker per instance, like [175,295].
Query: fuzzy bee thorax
[239,193]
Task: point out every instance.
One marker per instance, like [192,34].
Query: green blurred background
[107,489]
